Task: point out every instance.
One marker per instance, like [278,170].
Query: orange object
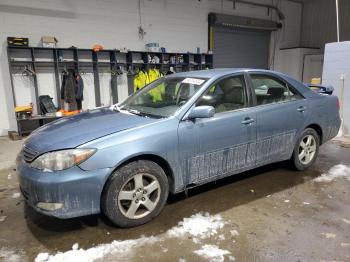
[97,48]
[69,113]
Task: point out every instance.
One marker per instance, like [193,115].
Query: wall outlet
[342,76]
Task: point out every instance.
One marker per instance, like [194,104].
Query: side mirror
[201,112]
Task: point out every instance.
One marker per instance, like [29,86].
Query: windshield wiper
[115,108]
[139,113]
[133,111]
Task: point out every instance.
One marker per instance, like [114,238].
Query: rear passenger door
[281,115]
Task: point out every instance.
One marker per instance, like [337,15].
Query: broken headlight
[63,159]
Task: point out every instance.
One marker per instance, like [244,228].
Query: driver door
[225,143]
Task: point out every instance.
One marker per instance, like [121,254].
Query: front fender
[159,139]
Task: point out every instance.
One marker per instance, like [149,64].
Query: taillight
[338,104]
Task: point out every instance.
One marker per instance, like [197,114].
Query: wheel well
[318,129]
[160,161]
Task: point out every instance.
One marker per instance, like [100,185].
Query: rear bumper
[72,192]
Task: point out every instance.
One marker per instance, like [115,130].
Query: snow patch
[75,246]
[329,235]
[306,203]
[234,233]
[345,244]
[11,255]
[212,253]
[347,221]
[2,218]
[199,226]
[221,237]
[98,252]
[9,176]
[16,195]
[286,201]
[335,172]
[42,257]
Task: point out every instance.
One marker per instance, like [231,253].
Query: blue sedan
[180,131]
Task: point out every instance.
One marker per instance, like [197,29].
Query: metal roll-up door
[238,47]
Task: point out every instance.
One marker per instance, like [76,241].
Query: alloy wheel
[307,149]
[139,196]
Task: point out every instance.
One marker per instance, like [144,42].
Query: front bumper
[77,190]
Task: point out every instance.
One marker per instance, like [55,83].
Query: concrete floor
[279,215]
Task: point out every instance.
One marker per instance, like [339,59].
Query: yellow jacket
[140,80]
[156,93]
[153,74]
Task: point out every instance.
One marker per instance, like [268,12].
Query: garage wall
[319,22]
[178,25]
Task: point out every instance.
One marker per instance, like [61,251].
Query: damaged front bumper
[63,194]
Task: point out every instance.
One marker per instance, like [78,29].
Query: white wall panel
[336,64]
[89,91]
[46,84]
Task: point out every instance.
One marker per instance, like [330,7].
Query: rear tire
[306,150]
[135,194]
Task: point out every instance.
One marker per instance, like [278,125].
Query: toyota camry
[180,131]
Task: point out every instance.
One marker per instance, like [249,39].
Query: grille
[28,154]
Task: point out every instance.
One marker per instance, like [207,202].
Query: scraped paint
[240,157]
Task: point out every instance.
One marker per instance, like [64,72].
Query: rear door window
[269,89]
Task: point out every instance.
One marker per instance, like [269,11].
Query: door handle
[301,109]
[247,121]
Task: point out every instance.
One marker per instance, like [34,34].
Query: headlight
[63,159]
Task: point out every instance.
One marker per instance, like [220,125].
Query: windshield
[163,97]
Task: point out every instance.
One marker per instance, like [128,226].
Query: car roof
[221,72]
[210,73]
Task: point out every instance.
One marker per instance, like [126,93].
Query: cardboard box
[48,41]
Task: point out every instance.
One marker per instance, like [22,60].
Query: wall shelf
[58,59]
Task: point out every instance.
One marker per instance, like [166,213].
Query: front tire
[135,193]
[306,150]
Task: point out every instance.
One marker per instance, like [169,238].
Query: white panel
[336,64]
[46,84]
[89,91]
[24,89]
[105,89]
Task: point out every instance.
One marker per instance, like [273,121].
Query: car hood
[70,132]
